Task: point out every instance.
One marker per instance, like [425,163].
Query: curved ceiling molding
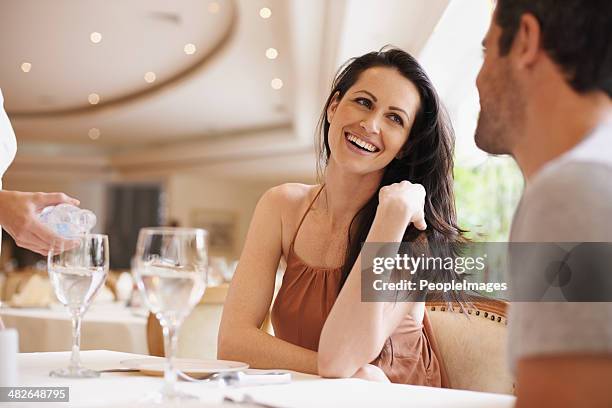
[221,23]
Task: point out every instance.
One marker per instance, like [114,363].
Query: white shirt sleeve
[8,144]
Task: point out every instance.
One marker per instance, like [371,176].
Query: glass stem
[75,359]
[170,343]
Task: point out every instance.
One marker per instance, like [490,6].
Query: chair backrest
[473,345]
[198,335]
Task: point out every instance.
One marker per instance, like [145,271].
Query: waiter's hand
[19,217]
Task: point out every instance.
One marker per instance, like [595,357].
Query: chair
[198,334]
[473,345]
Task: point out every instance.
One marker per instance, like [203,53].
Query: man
[545,93]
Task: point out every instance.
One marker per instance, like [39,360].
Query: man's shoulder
[572,176]
[570,202]
[596,147]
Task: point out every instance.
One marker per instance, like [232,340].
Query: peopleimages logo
[425,285]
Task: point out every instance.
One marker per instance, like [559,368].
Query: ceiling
[208,110]
[192,96]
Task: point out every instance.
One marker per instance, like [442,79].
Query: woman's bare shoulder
[290,195]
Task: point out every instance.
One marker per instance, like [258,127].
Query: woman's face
[371,123]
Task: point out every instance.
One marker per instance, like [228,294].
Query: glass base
[74,372]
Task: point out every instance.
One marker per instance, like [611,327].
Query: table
[126,389]
[109,326]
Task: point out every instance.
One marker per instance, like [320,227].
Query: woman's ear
[333,105]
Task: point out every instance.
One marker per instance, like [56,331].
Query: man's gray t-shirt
[569,200]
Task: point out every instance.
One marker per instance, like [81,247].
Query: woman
[386,152]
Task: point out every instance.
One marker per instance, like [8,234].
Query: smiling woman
[385,153]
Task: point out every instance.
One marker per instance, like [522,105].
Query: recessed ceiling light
[95,37]
[93,98]
[213,7]
[150,77]
[265,12]
[189,49]
[94,133]
[271,53]
[276,83]
[26,67]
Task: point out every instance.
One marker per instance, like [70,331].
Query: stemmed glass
[170,268]
[77,267]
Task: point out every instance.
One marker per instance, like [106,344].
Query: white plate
[192,367]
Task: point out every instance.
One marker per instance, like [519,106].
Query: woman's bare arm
[250,295]
[355,331]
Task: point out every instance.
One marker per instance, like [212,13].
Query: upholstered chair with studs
[198,335]
[472,344]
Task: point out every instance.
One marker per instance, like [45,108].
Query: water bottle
[67,220]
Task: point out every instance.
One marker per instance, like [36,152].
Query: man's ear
[527,41]
[333,105]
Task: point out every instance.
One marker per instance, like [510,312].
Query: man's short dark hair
[576,34]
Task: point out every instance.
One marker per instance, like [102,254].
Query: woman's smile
[359,145]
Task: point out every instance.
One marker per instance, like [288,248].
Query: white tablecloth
[126,389]
[108,326]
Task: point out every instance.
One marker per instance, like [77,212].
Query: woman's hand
[405,202]
[19,217]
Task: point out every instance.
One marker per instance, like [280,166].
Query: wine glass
[170,268]
[77,267]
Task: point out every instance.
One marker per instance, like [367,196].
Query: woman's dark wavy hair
[426,158]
